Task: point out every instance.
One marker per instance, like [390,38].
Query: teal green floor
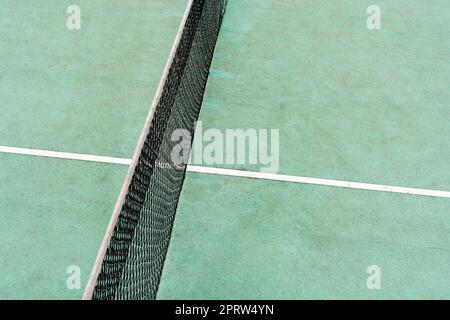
[351,104]
[54,215]
[85,91]
[248,239]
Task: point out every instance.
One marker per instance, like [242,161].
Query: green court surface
[54,214]
[351,104]
[85,91]
[246,239]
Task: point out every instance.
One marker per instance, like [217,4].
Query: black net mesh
[134,260]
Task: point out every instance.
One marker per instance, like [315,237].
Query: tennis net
[131,259]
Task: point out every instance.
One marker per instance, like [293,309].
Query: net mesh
[134,260]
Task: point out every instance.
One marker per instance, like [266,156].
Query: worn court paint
[319,181]
[234,173]
[326,127]
[64,155]
[54,214]
[236,238]
[86,92]
[350,104]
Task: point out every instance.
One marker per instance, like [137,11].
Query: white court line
[320,182]
[64,155]
[238,173]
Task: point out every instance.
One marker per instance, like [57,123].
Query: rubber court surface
[351,104]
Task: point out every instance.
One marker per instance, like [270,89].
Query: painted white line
[236,173]
[64,155]
[320,182]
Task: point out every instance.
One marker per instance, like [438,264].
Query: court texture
[363,186]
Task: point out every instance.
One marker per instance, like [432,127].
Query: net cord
[121,199]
